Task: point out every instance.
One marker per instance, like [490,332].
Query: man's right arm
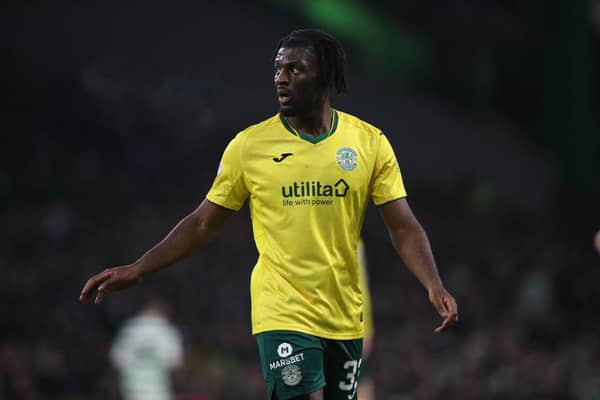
[190,234]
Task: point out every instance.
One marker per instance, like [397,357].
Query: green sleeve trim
[388,202]
[222,206]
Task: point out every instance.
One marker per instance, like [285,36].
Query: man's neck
[315,123]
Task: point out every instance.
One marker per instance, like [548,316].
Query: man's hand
[108,281]
[445,305]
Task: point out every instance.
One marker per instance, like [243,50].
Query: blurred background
[114,119]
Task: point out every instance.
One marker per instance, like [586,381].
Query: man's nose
[281,77]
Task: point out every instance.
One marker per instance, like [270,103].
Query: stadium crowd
[525,283]
[111,143]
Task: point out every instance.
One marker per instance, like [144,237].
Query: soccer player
[146,350]
[308,173]
[597,241]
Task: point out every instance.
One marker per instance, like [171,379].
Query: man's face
[296,81]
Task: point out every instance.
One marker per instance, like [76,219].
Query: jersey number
[350,384]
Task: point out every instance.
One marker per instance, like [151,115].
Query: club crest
[347,158]
[291,375]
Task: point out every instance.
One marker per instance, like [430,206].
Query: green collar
[311,139]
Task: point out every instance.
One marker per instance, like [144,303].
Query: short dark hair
[329,52]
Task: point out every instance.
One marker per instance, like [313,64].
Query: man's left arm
[412,245]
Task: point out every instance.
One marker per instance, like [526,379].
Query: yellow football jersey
[307,203]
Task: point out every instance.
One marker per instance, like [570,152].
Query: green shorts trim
[296,364]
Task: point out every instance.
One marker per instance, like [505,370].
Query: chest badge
[347,158]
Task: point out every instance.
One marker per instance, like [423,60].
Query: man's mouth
[284,99]
[284,96]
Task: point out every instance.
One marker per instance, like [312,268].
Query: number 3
[350,384]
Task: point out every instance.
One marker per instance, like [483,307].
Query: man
[146,349]
[308,173]
[597,241]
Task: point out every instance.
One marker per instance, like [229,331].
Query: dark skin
[307,108]
[301,99]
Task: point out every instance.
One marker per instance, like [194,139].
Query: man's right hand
[110,280]
[191,233]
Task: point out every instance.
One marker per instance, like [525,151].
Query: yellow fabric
[307,211]
[363,282]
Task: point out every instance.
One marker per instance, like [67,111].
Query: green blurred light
[380,41]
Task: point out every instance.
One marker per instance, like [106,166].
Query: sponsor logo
[315,189]
[282,157]
[286,361]
[284,349]
[346,158]
[291,375]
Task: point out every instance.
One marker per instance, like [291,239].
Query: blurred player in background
[308,173]
[597,241]
[146,350]
[366,386]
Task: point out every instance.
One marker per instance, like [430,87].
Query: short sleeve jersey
[307,203]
